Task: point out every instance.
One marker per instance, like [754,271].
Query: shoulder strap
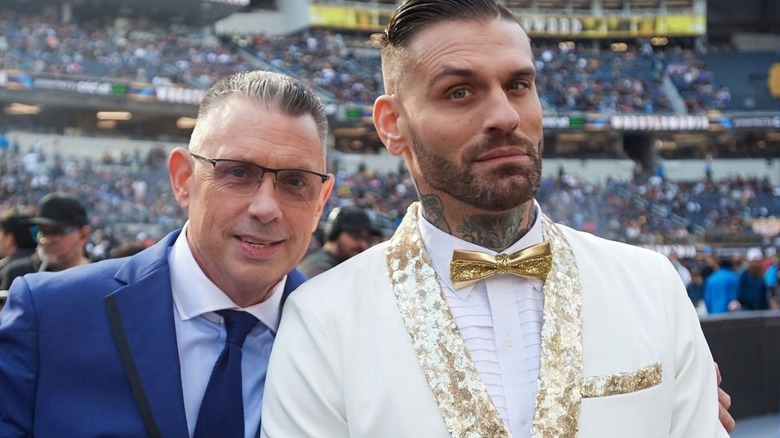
[126,356]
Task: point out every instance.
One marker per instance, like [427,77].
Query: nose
[264,204]
[503,114]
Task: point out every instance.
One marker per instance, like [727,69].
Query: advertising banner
[539,25]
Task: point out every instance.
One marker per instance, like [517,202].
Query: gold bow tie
[468,267]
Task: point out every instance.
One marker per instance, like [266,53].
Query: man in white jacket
[481,317]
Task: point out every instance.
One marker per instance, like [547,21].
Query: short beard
[506,187]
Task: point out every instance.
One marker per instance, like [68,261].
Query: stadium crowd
[129,196]
[343,67]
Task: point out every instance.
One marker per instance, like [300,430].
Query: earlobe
[389,124]
[180,171]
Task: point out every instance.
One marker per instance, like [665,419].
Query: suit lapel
[141,315]
[294,279]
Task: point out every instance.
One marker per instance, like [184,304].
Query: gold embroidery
[558,398]
[622,383]
[462,398]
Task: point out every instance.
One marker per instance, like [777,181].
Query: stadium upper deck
[601,89]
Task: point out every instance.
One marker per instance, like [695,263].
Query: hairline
[396,58]
[273,91]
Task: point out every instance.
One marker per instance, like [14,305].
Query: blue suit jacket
[92,351]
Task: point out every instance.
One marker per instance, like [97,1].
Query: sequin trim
[559,396]
[463,400]
[622,383]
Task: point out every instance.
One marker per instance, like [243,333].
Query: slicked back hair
[278,91]
[413,15]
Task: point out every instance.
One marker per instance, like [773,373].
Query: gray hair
[279,91]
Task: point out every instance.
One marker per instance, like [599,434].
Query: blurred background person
[16,241]
[61,228]
[770,279]
[720,288]
[696,291]
[347,232]
[752,293]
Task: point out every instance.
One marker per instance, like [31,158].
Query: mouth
[503,154]
[257,242]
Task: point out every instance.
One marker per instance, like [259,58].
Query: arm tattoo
[496,232]
[433,211]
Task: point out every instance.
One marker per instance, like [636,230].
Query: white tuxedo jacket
[348,363]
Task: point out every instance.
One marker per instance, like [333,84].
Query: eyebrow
[468,73]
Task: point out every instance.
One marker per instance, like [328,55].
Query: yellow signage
[773,79]
[539,25]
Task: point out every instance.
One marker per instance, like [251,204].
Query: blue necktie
[222,409]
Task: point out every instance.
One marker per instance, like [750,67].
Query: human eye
[519,85]
[295,179]
[238,172]
[298,185]
[459,93]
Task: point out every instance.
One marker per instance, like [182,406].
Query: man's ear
[327,187]
[390,124]
[180,171]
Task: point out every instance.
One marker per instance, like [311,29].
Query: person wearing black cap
[61,229]
[16,242]
[348,232]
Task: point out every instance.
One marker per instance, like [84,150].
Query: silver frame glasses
[285,194]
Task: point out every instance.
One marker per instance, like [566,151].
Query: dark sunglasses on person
[50,232]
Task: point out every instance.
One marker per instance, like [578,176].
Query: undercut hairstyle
[278,91]
[413,15]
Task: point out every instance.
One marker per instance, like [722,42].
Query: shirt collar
[440,246]
[195,294]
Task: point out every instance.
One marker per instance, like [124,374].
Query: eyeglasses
[243,178]
[42,235]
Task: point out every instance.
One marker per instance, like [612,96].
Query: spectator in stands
[752,293]
[348,232]
[62,229]
[127,346]
[771,279]
[393,341]
[682,270]
[16,241]
[696,288]
[720,288]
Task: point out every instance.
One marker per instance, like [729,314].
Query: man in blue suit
[130,347]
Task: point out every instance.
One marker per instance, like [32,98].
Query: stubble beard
[504,188]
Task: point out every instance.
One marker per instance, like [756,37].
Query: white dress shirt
[500,319]
[200,335]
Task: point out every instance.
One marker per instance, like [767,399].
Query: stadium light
[20,109]
[619,47]
[114,115]
[659,41]
[185,123]
[567,45]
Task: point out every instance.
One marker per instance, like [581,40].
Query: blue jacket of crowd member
[752,292]
[720,289]
[770,276]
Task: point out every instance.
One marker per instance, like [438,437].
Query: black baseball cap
[60,209]
[357,219]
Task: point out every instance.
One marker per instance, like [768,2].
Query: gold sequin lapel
[462,398]
[559,394]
